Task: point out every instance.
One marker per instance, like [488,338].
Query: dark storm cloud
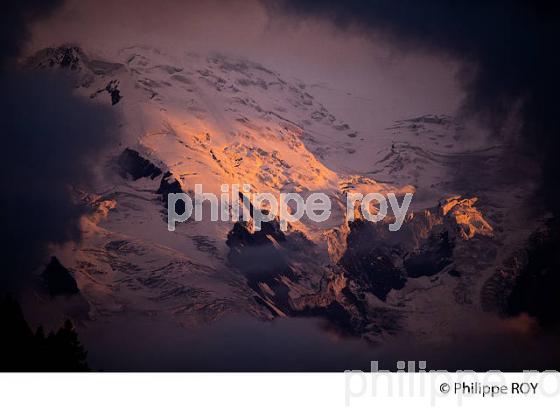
[15,17]
[50,138]
[509,51]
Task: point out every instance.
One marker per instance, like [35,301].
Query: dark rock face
[68,57]
[379,265]
[371,264]
[265,258]
[432,257]
[370,260]
[255,253]
[375,271]
[170,185]
[58,279]
[113,89]
[257,257]
[131,164]
[72,58]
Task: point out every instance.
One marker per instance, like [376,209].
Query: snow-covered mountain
[189,119]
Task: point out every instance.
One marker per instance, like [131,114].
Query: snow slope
[215,120]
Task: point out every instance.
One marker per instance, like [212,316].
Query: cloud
[15,17]
[50,140]
[240,343]
[507,49]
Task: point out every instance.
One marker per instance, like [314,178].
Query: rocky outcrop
[468,218]
[133,165]
[70,57]
[73,59]
[112,88]
[171,185]
[372,264]
[265,257]
[272,260]
[259,257]
[367,259]
[434,255]
[380,261]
